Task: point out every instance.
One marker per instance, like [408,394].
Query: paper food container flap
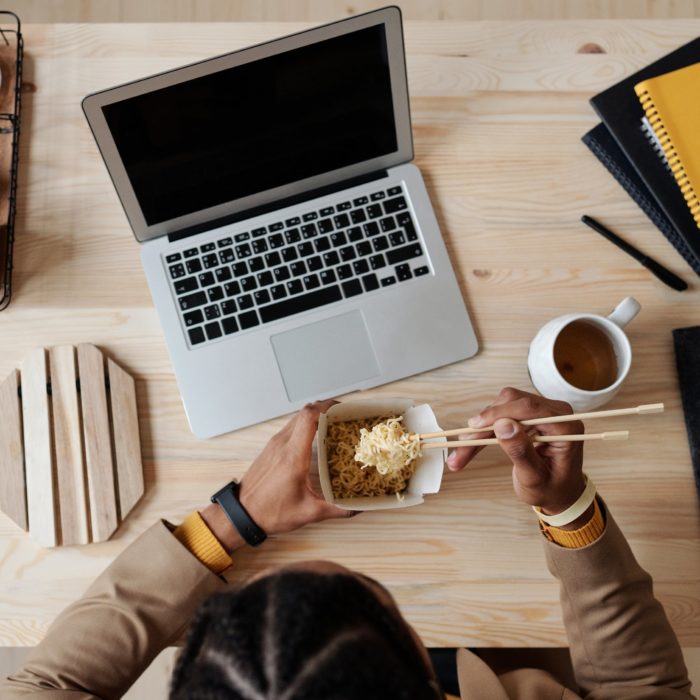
[418,419]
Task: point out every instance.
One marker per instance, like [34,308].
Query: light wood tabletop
[498,111]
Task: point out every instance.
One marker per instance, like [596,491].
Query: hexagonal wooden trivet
[70,457]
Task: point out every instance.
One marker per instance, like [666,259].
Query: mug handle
[625,311]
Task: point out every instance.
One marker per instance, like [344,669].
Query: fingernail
[475,422]
[452,460]
[504,428]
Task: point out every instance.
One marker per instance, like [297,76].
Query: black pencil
[658,270]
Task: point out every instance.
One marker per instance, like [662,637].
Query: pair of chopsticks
[611,435]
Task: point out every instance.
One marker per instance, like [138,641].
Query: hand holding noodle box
[425,474]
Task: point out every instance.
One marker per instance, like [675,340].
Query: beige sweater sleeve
[101,644]
[622,644]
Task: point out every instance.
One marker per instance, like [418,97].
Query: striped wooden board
[70,455]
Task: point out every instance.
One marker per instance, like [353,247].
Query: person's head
[310,632]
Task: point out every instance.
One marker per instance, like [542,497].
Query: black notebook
[609,153]
[620,110]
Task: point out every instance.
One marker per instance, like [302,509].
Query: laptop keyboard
[271,272]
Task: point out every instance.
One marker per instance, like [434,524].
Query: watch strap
[227,498]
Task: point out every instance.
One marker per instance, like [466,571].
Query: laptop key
[189,284]
[240,237]
[331,258]
[311,282]
[193,318]
[370,282]
[311,216]
[410,231]
[322,244]
[248,320]
[265,278]
[222,274]
[248,284]
[325,225]
[295,286]
[294,221]
[262,296]
[347,253]
[314,263]
[343,206]
[376,196]
[374,211]
[281,273]
[256,264]
[355,234]
[292,236]
[273,259]
[243,251]
[388,281]
[226,256]
[196,335]
[229,325]
[240,269]
[276,241]
[215,293]
[305,249]
[173,257]
[257,232]
[207,247]
[278,226]
[403,272]
[278,292]
[381,243]
[206,279]
[212,312]
[232,288]
[338,239]
[289,254]
[303,302]
[360,267]
[177,271]
[352,288]
[259,246]
[210,261]
[244,302]
[420,271]
[394,190]
[403,218]
[413,250]
[309,231]
[393,205]
[327,277]
[371,228]
[360,201]
[191,253]
[327,211]
[364,248]
[358,216]
[298,268]
[344,271]
[341,220]
[396,238]
[388,223]
[193,266]
[228,307]
[213,330]
[377,262]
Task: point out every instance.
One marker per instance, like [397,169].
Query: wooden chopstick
[612,435]
[642,409]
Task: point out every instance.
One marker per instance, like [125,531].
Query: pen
[665,275]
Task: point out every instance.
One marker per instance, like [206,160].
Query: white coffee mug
[547,378]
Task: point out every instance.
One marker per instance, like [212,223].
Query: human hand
[276,490]
[548,475]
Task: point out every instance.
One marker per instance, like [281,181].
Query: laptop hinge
[274,206]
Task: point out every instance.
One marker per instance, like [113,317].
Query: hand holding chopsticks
[614,435]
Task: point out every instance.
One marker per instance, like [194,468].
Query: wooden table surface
[498,110]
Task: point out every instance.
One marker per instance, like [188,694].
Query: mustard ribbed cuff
[199,539]
[574,539]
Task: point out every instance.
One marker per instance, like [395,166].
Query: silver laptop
[289,244]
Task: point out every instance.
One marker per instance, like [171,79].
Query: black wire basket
[10,36]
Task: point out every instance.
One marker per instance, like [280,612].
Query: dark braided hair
[301,636]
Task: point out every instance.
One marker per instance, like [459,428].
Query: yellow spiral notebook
[671,103]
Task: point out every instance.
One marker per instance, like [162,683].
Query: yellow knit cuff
[574,539]
[200,540]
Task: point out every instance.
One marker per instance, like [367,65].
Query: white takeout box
[417,419]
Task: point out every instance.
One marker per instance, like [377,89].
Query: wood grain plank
[96,434]
[68,440]
[127,443]
[38,454]
[13,494]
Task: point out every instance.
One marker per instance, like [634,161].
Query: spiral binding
[674,161]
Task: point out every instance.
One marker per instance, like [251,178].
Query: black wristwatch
[227,498]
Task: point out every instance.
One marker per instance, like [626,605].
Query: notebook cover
[672,106]
[621,112]
[606,149]
[686,343]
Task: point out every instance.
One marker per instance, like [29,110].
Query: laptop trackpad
[318,359]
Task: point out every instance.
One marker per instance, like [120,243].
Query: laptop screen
[257,126]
